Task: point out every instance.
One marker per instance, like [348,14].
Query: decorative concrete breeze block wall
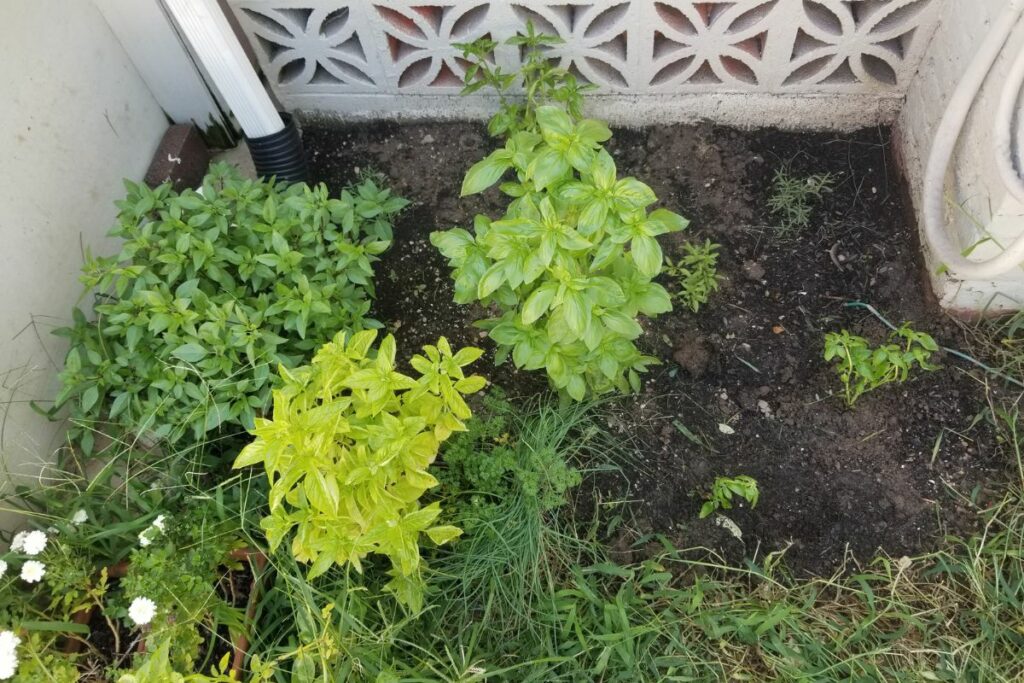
[792,63]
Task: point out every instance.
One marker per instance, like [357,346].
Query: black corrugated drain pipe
[280,154]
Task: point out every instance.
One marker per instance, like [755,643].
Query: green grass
[1000,341]
[534,602]
[521,539]
[529,594]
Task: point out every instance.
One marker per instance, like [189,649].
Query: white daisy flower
[18,542]
[8,665]
[80,517]
[34,543]
[142,611]
[145,537]
[3,570]
[8,654]
[8,641]
[32,571]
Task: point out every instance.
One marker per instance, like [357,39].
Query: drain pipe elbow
[946,136]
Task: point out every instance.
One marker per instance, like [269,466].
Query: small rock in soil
[693,353]
[753,270]
[747,398]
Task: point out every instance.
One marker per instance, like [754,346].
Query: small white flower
[3,570]
[142,611]
[8,665]
[8,654]
[80,517]
[34,543]
[8,641]
[147,535]
[32,571]
[18,542]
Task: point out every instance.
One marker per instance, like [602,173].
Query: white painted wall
[979,205]
[153,45]
[75,118]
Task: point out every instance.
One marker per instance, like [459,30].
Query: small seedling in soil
[723,490]
[863,369]
[792,199]
[695,273]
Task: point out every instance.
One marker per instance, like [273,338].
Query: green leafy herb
[210,291]
[541,81]
[490,462]
[348,450]
[863,369]
[570,265]
[723,490]
[695,273]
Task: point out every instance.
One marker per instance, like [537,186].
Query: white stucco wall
[973,182]
[75,118]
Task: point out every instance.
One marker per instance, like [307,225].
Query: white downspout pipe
[208,32]
[946,136]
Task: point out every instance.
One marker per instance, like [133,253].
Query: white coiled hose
[946,136]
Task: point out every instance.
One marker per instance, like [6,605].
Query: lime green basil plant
[348,450]
[570,266]
[210,291]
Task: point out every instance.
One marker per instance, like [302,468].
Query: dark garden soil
[888,475]
[102,652]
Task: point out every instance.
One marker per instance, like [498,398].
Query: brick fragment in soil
[833,481]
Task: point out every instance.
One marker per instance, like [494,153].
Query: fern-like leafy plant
[793,199]
[695,273]
[348,450]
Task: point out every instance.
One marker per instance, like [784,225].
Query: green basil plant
[209,292]
[571,265]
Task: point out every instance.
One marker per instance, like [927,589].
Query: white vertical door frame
[149,36]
